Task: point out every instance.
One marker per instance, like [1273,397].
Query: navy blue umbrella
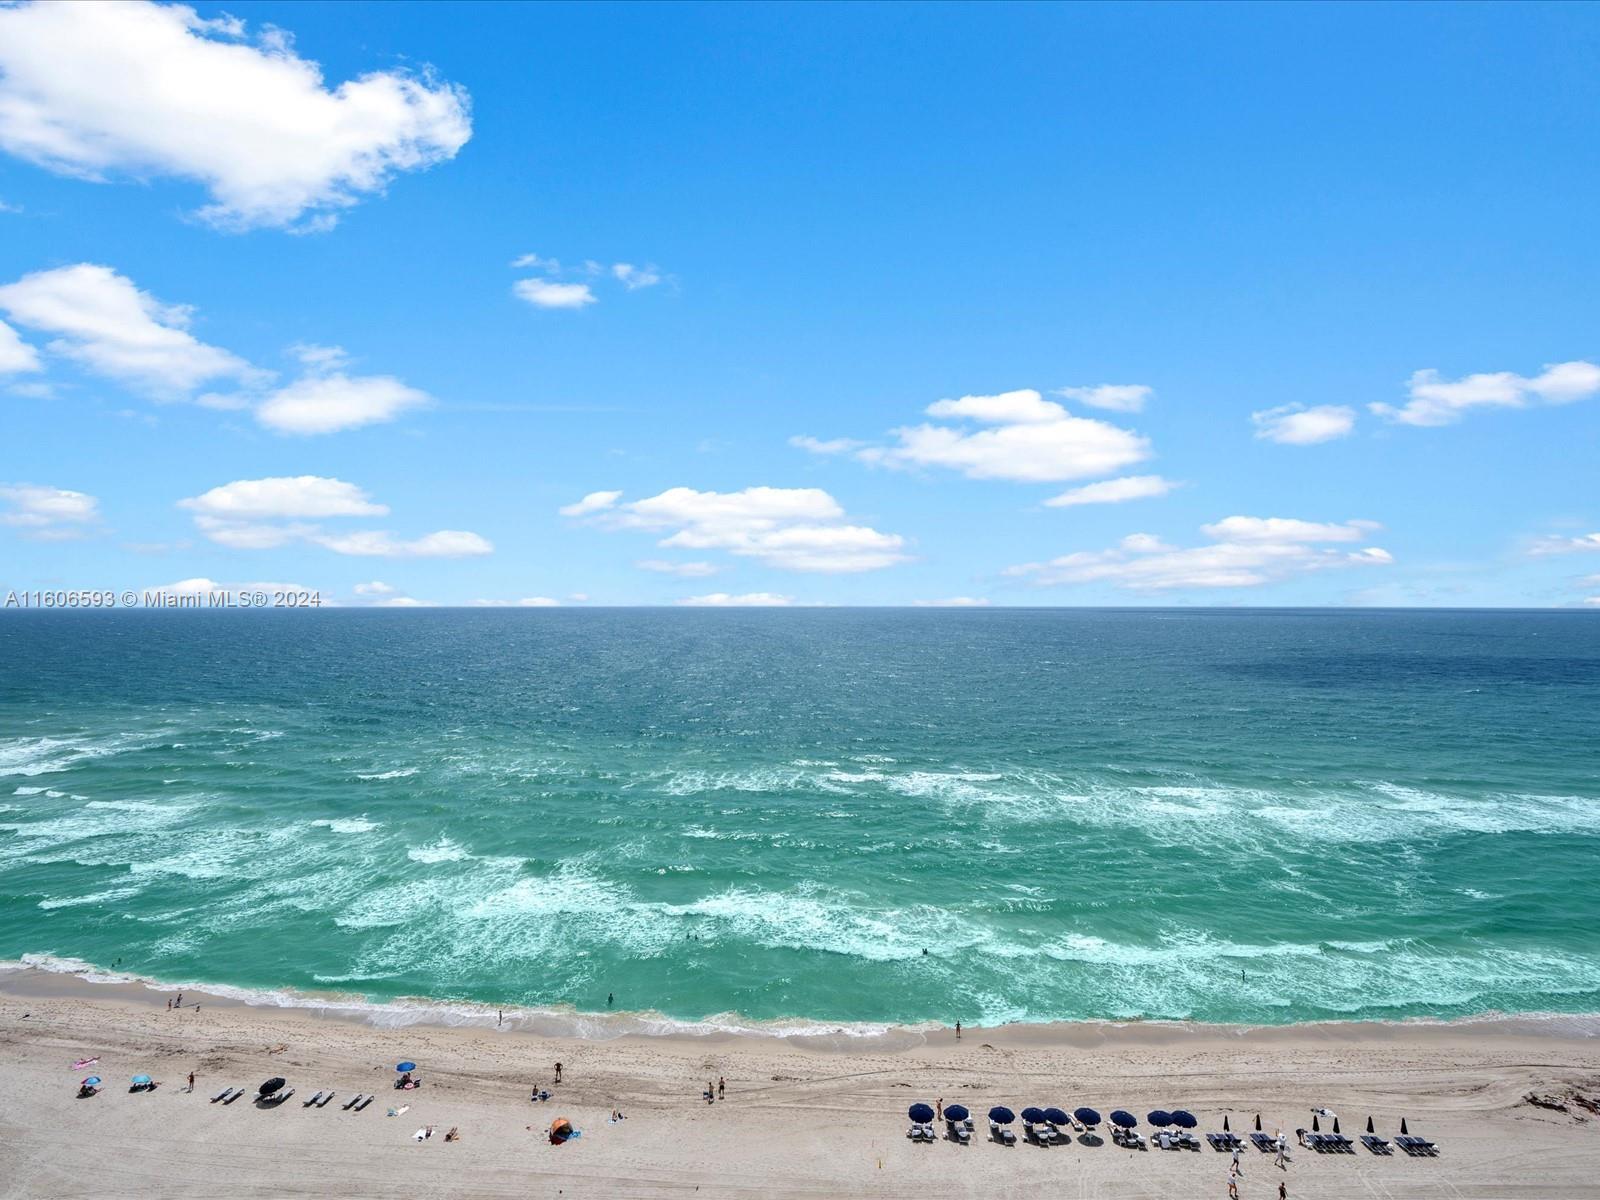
[1032,1115]
[955,1112]
[1087,1115]
[1123,1118]
[405,1066]
[1184,1120]
[1001,1115]
[921,1113]
[1159,1117]
[1055,1116]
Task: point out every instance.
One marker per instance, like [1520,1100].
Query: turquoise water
[1216,815]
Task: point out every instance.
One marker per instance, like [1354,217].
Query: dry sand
[799,1120]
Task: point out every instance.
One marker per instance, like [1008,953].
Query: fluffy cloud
[100,320]
[545,293]
[329,403]
[828,446]
[285,496]
[260,514]
[795,529]
[1558,544]
[378,543]
[525,602]
[1031,440]
[148,90]
[16,356]
[1297,425]
[953,602]
[633,278]
[747,600]
[684,570]
[1114,397]
[47,513]
[105,323]
[376,588]
[1437,401]
[1243,552]
[1114,491]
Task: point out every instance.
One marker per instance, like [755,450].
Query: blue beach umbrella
[141,1079]
[920,1113]
[1087,1115]
[1159,1117]
[955,1112]
[1055,1116]
[1032,1115]
[1184,1120]
[1001,1115]
[405,1066]
[1123,1119]
[92,1081]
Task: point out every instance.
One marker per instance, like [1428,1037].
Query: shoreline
[48,977]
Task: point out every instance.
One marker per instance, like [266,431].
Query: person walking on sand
[191,1081]
[1233,1188]
[958,1031]
[558,1072]
[938,1107]
[1283,1190]
[722,1087]
[1237,1169]
[1283,1151]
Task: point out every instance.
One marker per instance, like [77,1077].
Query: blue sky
[1337,265]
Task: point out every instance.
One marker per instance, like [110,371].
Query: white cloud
[378,543]
[684,570]
[47,513]
[304,496]
[1297,425]
[1437,401]
[794,529]
[828,446]
[150,90]
[633,278]
[1114,397]
[953,602]
[376,588]
[16,356]
[1244,552]
[403,602]
[525,602]
[106,324]
[545,293]
[1557,544]
[1034,441]
[747,600]
[329,403]
[1114,491]
[592,503]
[1592,601]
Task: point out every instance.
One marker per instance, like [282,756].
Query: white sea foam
[444,850]
[108,897]
[347,825]
[397,773]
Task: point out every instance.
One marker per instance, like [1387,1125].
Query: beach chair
[1002,1134]
[314,1099]
[227,1100]
[324,1102]
[221,1094]
[363,1104]
[1376,1144]
[1264,1142]
[1039,1134]
[352,1102]
[958,1132]
[1417,1147]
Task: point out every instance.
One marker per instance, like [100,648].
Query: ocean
[813,818]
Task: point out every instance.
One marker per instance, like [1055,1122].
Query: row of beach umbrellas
[1159,1118]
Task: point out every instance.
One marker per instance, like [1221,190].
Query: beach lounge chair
[352,1102]
[1263,1142]
[999,1133]
[1376,1144]
[221,1094]
[324,1102]
[958,1132]
[1417,1147]
[227,1100]
[1039,1134]
[364,1103]
[282,1097]
[314,1099]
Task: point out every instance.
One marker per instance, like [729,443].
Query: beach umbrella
[1001,1115]
[1055,1116]
[1159,1117]
[1032,1115]
[405,1066]
[1184,1119]
[1336,1124]
[141,1079]
[1225,1123]
[272,1085]
[1123,1118]
[1087,1115]
[1315,1128]
[1258,1122]
[920,1113]
[955,1112]
[560,1130]
[1370,1129]
[1404,1132]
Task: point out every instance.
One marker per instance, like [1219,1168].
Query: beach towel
[84,1062]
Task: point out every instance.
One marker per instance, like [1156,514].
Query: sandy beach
[812,1120]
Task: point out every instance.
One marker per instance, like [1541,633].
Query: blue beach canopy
[955,1112]
[1159,1117]
[1087,1115]
[1123,1118]
[405,1066]
[1001,1115]
[1055,1116]
[920,1113]
[141,1079]
[91,1081]
[1032,1115]
[1184,1120]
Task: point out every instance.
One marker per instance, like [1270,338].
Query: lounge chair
[282,1097]
[352,1102]
[1417,1147]
[227,1100]
[221,1094]
[1264,1142]
[325,1099]
[1127,1138]
[1040,1134]
[314,1099]
[1376,1144]
[958,1132]
[1000,1133]
[364,1103]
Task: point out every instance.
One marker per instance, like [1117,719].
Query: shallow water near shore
[759,817]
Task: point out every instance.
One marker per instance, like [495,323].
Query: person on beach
[958,1031]
[558,1072]
[1283,1151]
[722,1087]
[191,1081]
[1283,1190]
[611,998]
[711,1096]
[1233,1188]
[938,1109]
[169,1003]
[1237,1169]
[502,1018]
